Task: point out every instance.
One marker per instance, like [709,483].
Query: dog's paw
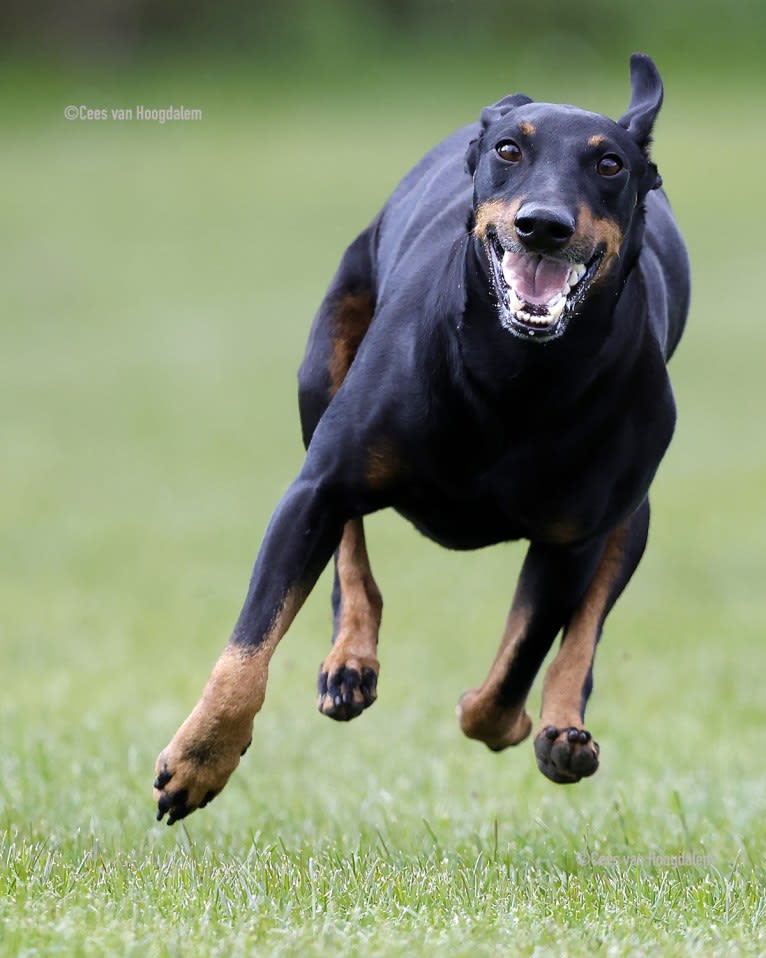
[565,755]
[346,685]
[497,728]
[192,771]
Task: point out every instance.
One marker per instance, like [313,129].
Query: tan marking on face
[383,464]
[592,232]
[498,214]
[527,128]
[361,608]
[478,711]
[597,140]
[565,679]
[351,320]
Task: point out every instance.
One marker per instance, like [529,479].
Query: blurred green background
[158,282]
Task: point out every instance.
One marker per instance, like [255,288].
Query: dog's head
[555,194]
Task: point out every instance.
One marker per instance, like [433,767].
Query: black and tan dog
[490,362]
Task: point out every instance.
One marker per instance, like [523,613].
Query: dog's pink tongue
[535,279]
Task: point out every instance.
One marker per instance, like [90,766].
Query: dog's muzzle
[537,293]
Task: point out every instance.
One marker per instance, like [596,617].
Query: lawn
[159,282]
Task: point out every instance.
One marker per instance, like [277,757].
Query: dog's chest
[553,498]
[525,493]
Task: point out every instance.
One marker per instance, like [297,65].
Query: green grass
[158,285]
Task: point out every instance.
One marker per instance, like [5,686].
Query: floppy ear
[498,110]
[645,100]
[488,116]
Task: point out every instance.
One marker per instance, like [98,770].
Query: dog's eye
[609,165]
[509,151]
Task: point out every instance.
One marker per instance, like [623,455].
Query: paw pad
[346,691]
[565,755]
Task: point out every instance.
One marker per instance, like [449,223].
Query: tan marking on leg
[383,464]
[561,532]
[361,609]
[351,320]
[478,711]
[565,751]
[209,744]
[566,676]
[527,128]
[598,139]
[499,215]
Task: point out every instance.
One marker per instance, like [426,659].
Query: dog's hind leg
[338,329]
[565,751]
[348,676]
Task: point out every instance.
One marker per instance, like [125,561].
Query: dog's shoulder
[439,169]
[664,265]
[426,219]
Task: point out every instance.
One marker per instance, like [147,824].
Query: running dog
[490,361]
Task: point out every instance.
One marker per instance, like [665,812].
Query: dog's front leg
[300,539]
[348,677]
[565,750]
[552,583]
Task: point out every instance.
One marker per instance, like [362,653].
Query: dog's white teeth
[576,273]
[553,309]
[544,315]
[556,309]
[534,320]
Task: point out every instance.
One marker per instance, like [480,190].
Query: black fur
[496,437]
[475,423]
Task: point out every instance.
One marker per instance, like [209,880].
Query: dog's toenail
[163,778]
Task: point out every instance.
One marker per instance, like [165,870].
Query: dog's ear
[488,116]
[645,100]
[498,110]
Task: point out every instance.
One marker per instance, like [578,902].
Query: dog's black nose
[543,229]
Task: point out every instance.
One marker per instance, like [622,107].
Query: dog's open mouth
[537,294]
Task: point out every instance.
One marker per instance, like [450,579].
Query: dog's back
[664,265]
